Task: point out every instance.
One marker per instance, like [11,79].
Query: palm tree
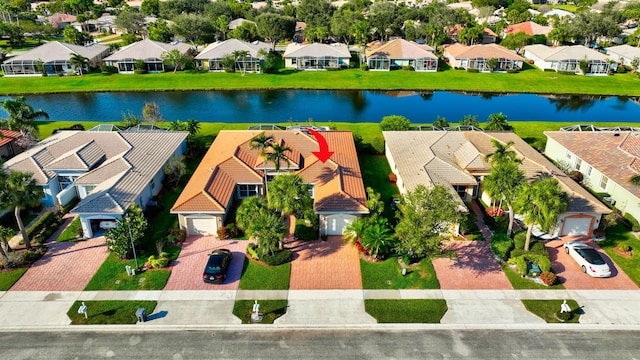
[355,230]
[262,142]
[240,55]
[504,183]
[249,210]
[289,194]
[378,237]
[20,192]
[497,122]
[78,62]
[635,180]
[5,235]
[277,155]
[541,202]
[22,116]
[502,154]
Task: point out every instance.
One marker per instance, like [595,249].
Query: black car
[216,270]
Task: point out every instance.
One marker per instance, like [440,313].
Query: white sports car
[588,258]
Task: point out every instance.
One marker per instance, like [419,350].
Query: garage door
[337,223]
[201,226]
[576,226]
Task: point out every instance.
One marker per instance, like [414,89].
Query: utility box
[141,315]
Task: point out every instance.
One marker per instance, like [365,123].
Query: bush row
[501,244]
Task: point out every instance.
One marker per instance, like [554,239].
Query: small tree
[175,169]
[289,195]
[378,237]
[151,113]
[492,64]
[395,123]
[497,122]
[130,229]
[176,59]
[441,122]
[19,191]
[5,235]
[584,66]
[470,120]
[78,62]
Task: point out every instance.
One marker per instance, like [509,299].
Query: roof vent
[616,134]
[211,169]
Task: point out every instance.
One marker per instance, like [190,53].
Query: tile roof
[56,50]
[528,27]
[229,161]
[146,49]
[218,50]
[295,50]
[8,136]
[402,49]
[625,51]
[487,51]
[441,157]
[119,164]
[617,157]
[577,52]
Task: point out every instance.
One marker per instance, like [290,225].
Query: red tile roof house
[476,57]
[456,160]
[527,27]
[232,171]
[107,170]
[606,159]
[9,143]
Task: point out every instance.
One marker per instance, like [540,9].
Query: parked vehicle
[216,270]
[588,258]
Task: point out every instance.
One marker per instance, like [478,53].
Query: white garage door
[576,226]
[337,223]
[201,226]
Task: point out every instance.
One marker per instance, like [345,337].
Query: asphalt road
[322,344]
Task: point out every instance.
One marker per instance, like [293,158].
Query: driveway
[67,266]
[323,265]
[474,268]
[186,273]
[571,275]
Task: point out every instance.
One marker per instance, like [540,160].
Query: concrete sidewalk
[313,308]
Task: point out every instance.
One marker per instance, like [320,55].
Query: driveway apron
[186,273]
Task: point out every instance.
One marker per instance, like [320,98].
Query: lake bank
[529,81]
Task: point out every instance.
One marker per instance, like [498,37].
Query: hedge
[304,231]
[521,262]
[278,258]
[501,244]
[635,226]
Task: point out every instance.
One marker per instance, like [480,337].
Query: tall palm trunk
[5,257]
[528,239]
[23,231]
[511,218]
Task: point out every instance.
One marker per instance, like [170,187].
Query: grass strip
[257,276]
[270,309]
[387,274]
[406,311]
[546,309]
[109,311]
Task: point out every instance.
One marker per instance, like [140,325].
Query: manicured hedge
[501,244]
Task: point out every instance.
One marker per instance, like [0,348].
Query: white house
[149,51]
[107,170]
[211,57]
[607,160]
[567,58]
[316,56]
[623,54]
[477,57]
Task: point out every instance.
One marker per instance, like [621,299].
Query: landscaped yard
[546,309]
[72,231]
[530,80]
[618,234]
[406,311]
[9,277]
[520,283]
[271,310]
[375,173]
[109,311]
[256,276]
[388,275]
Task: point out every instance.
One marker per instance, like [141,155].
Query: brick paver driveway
[67,266]
[187,269]
[319,265]
[474,268]
[572,276]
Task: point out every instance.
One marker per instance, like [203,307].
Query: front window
[568,154]
[461,190]
[89,188]
[312,190]
[603,182]
[65,181]
[578,164]
[248,190]
[589,169]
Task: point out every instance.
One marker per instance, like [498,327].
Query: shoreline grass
[530,80]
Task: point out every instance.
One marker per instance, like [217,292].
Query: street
[322,344]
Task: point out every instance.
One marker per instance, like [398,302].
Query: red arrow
[324,154]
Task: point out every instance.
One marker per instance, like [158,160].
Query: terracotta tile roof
[229,161]
[617,157]
[8,136]
[460,51]
[402,49]
[528,27]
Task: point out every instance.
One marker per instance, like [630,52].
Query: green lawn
[375,173]
[270,309]
[113,276]
[618,234]
[109,311]
[520,283]
[530,80]
[10,277]
[388,275]
[256,276]
[70,233]
[546,309]
[406,311]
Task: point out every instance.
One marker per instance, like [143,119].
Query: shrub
[222,232]
[304,231]
[549,70]
[576,176]
[251,250]
[333,69]
[408,68]
[278,258]
[473,70]
[624,247]
[393,178]
[179,235]
[501,244]
[513,71]
[159,262]
[566,72]
[468,224]
[634,225]
[233,230]
[44,221]
[564,316]
[30,256]
[139,71]
[548,278]
[395,123]
[364,67]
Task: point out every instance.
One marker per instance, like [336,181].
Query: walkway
[475,266]
[186,272]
